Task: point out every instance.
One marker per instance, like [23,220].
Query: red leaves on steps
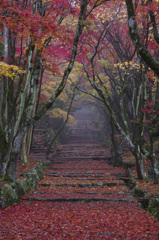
[119,217]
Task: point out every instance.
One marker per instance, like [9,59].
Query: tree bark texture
[134,34]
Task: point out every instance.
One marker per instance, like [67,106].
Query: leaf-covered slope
[79,199]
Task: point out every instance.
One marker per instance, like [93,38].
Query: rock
[120,193]
[60,184]
[85,185]
[106,193]
[144,202]
[76,199]
[98,184]
[11,193]
[45,184]
[153,207]
[126,200]
[111,184]
[129,193]
[71,185]
[40,171]
[65,185]
[21,187]
[46,164]
[127,165]
[8,196]
[156,196]
[33,180]
[137,192]
[132,184]
[40,192]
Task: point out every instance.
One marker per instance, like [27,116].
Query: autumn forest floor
[81,197]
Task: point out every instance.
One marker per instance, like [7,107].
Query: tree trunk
[156,174]
[135,37]
[139,157]
[154,160]
[116,149]
[2,165]
[151,154]
[11,172]
[155,167]
[13,157]
[23,153]
[5,148]
[26,145]
[14,140]
[116,152]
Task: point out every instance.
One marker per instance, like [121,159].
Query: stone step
[80,155]
[62,160]
[72,175]
[82,142]
[81,168]
[96,199]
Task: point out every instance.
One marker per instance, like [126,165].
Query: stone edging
[11,193]
[149,203]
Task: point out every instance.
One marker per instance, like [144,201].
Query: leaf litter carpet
[81,197]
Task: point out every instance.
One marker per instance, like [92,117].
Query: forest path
[81,197]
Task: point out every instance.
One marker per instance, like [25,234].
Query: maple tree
[32,43]
[113,93]
[27,29]
[150,11]
[122,83]
[120,78]
[146,43]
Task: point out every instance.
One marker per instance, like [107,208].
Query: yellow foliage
[105,84]
[50,84]
[104,63]
[10,71]
[103,78]
[113,12]
[47,1]
[130,65]
[61,114]
[63,96]
[78,67]
[156,79]
[46,93]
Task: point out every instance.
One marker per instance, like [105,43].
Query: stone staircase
[81,172]
[72,151]
[38,148]
[83,141]
[83,132]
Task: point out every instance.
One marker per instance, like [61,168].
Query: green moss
[40,171]
[137,192]
[8,179]
[21,187]
[132,183]
[32,179]
[9,195]
[46,164]
[153,207]
[49,136]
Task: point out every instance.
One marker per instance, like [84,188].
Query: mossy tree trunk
[116,149]
[139,157]
[122,126]
[150,154]
[16,121]
[135,36]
